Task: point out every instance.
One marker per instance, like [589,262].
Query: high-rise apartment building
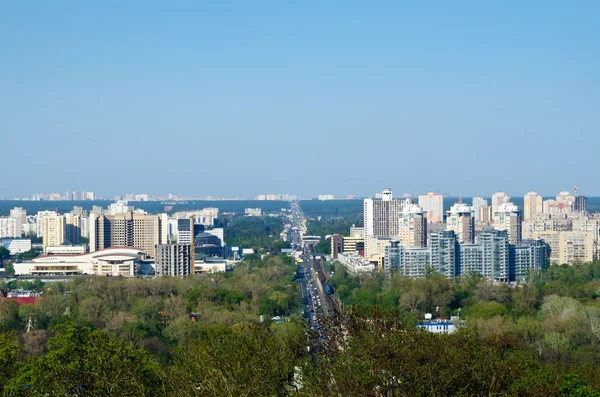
[485,215]
[496,254]
[381,217]
[337,245]
[73,227]
[174,260]
[54,230]
[530,255]
[445,253]
[497,199]
[185,231]
[129,229]
[561,206]
[391,259]
[413,227]
[508,217]
[478,202]
[532,205]
[580,204]
[461,221]
[414,261]
[20,215]
[8,227]
[433,205]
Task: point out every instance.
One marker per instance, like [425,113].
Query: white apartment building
[508,217]
[433,205]
[497,199]
[381,217]
[219,232]
[20,215]
[9,228]
[461,220]
[478,202]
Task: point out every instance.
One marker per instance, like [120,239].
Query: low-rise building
[17,245]
[355,263]
[121,261]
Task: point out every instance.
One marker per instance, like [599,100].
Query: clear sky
[236,98]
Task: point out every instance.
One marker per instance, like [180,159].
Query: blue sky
[238,98]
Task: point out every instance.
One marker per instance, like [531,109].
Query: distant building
[508,217]
[253,211]
[461,221]
[207,244]
[531,254]
[325,197]
[337,245]
[174,260]
[438,326]
[414,261]
[354,244]
[65,250]
[563,204]
[129,229]
[54,230]
[17,246]
[580,204]
[496,255]
[478,202]
[20,215]
[433,205]
[498,198]
[381,217]
[109,262]
[185,231]
[413,227]
[9,228]
[445,253]
[354,263]
[532,205]
[220,233]
[73,227]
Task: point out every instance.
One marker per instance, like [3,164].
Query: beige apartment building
[532,205]
[54,230]
[569,247]
[129,229]
[413,227]
[433,206]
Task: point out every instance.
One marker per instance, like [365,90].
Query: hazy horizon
[243,98]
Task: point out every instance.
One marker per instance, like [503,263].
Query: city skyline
[280,93]
[281,196]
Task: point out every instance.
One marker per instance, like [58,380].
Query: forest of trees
[327,226]
[258,232]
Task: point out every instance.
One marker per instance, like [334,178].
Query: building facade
[532,205]
[413,227]
[508,217]
[461,220]
[433,205]
[129,229]
[174,260]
